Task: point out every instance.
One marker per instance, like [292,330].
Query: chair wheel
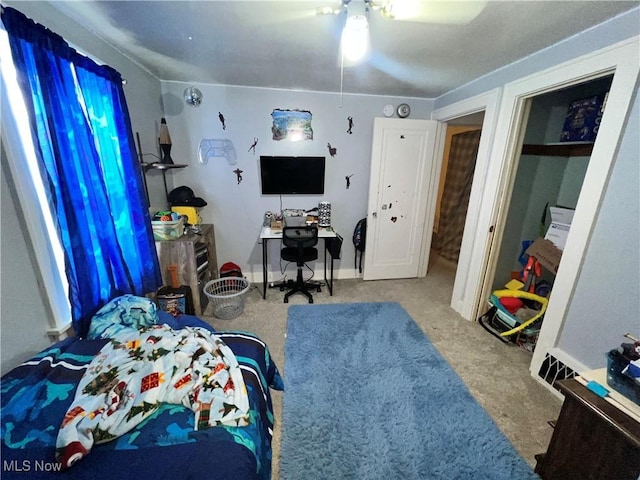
[319,289]
[282,288]
[311,300]
[286,300]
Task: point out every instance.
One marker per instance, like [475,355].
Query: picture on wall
[294,125]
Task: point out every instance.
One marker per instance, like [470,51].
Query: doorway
[456,178]
[617,64]
[548,176]
[505,109]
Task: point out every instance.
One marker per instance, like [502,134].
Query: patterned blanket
[37,395]
[138,371]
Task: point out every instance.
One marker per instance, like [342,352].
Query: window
[93,199]
[16,137]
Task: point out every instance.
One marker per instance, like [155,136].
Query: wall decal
[348,179]
[238,173]
[332,150]
[253,145]
[394,219]
[350,129]
[292,124]
[216,147]
[221,117]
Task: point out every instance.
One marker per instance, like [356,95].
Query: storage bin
[617,380]
[168,230]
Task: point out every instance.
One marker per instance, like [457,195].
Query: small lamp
[165,142]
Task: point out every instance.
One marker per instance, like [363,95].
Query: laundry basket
[227,296]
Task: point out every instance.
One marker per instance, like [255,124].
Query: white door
[402,161]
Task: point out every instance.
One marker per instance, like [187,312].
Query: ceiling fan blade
[288,11]
[437,11]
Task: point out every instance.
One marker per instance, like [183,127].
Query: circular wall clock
[403,110]
[388,110]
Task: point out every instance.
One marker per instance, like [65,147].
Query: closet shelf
[559,150]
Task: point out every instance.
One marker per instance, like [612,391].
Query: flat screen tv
[292,175]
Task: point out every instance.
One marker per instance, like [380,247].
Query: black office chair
[299,246]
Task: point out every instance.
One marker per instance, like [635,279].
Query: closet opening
[555,146]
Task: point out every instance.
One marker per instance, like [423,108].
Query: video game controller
[213,148]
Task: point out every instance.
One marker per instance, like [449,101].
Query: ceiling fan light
[355,38]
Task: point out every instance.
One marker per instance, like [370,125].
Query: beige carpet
[496,374]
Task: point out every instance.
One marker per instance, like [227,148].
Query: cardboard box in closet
[548,250]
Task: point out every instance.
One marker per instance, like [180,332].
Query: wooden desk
[592,440]
[332,250]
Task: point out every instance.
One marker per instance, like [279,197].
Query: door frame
[476,239]
[622,61]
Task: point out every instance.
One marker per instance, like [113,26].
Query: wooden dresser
[196,261]
[592,439]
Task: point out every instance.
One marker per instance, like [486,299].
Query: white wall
[237,210]
[22,311]
[606,301]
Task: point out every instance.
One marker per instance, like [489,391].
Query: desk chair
[299,246]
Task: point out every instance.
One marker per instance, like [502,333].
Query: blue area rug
[369,397]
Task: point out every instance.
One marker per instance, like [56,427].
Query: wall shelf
[559,150]
[163,167]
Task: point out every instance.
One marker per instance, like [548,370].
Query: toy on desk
[268,218]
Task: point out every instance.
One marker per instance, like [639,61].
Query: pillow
[122,313]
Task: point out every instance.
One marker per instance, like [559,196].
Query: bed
[37,396]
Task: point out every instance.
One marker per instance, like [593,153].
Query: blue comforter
[36,396]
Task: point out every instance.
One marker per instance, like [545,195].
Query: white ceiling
[284,44]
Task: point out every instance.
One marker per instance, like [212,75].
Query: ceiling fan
[423,11]
[355,33]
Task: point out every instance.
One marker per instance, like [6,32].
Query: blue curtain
[81,126]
